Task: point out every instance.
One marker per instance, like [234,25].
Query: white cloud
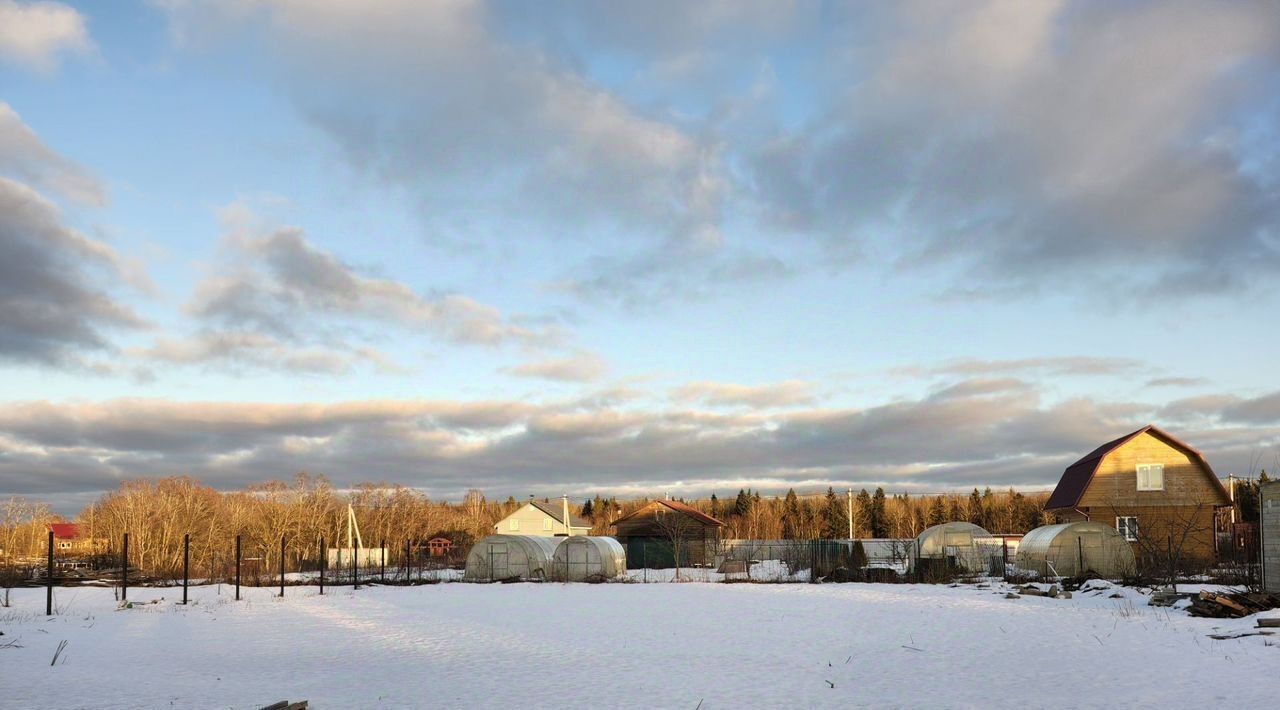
[724,394]
[581,367]
[37,34]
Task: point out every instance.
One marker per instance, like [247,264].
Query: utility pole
[568,531]
[850,514]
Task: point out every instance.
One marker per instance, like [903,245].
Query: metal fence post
[324,560]
[407,559]
[124,575]
[48,580]
[186,564]
[382,566]
[282,565]
[355,567]
[237,568]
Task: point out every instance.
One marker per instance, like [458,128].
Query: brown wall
[1186,481]
[644,524]
[1184,507]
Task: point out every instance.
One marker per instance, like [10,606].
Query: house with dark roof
[661,533]
[1159,492]
[541,519]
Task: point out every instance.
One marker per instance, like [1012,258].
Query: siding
[1270,551]
[1186,503]
[1186,482]
[531,522]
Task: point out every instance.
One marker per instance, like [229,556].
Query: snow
[627,645]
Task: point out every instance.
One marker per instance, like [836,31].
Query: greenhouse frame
[510,557]
[1070,549]
[588,559]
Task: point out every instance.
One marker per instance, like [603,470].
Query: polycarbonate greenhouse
[1069,549]
[499,557]
[961,544]
[581,558]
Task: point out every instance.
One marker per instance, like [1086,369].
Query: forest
[158,513]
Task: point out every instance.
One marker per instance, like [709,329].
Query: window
[1128,527]
[513,524]
[1151,477]
[546,523]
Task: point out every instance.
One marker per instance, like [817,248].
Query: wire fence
[295,563]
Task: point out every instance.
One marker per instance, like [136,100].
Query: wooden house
[541,520]
[68,538]
[1157,491]
[668,533]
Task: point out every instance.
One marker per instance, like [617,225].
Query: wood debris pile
[1231,605]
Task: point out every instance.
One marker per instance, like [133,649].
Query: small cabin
[439,547]
[1158,492]
[541,519]
[665,533]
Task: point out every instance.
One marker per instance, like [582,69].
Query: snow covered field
[626,645]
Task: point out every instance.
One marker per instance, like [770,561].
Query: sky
[626,249]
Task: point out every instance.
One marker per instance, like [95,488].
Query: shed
[1070,549]
[582,558]
[667,533]
[959,543]
[505,557]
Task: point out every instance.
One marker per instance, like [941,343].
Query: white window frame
[1127,526]
[1144,471]
[513,524]
[546,523]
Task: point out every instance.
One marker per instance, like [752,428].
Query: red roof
[1075,480]
[65,531]
[678,507]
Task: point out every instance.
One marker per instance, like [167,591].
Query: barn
[506,557]
[1071,549]
[588,559]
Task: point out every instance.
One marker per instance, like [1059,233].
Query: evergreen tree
[937,512]
[588,510]
[742,506]
[858,557]
[835,519]
[878,520]
[976,515]
[862,525]
[791,516]
[715,506]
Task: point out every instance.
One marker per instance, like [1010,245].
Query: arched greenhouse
[1070,549]
[505,557]
[581,558]
[960,544]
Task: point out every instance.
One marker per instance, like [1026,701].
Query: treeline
[158,513]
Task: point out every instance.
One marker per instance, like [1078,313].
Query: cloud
[25,157]
[56,304]
[1176,381]
[582,367]
[1080,365]
[37,34]
[278,301]
[524,142]
[723,394]
[984,437]
[1043,145]
[1228,409]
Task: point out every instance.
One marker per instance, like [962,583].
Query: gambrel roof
[1075,480]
